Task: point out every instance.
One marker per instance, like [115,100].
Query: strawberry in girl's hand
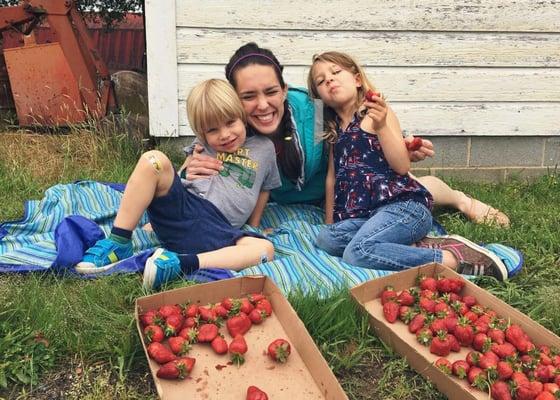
[391,311]
[237,348]
[370,94]
[219,345]
[254,393]
[414,144]
[160,353]
[177,369]
[154,333]
[279,350]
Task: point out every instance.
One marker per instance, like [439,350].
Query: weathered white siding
[455,68]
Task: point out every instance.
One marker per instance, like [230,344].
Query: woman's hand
[200,165]
[427,150]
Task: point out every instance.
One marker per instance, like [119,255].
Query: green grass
[77,338]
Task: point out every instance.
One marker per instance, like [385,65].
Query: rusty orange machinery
[58,83]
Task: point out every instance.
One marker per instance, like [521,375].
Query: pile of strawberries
[172,330]
[502,358]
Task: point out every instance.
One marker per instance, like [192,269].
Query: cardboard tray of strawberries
[469,343]
[231,339]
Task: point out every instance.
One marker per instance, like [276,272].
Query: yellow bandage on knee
[152,159]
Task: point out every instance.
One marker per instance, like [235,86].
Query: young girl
[377,208]
[199,224]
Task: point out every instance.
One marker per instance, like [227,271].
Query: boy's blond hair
[212,103]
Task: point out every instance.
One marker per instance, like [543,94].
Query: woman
[287,116]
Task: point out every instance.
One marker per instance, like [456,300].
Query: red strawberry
[427,304]
[228,303]
[246,306]
[257,316]
[525,391]
[370,95]
[388,294]
[424,336]
[191,311]
[160,353]
[220,311]
[177,369]
[179,345]
[486,362]
[440,345]
[441,308]
[167,310]
[455,346]
[219,345]
[405,298]
[464,332]
[543,373]
[237,348]
[477,378]
[264,305]
[481,342]
[460,307]
[279,350]
[391,311]
[255,297]
[150,318]
[473,357]
[444,365]
[190,322]
[471,316]
[504,370]
[500,391]
[438,325]
[460,368]
[504,350]
[551,387]
[469,300]
[154,333]
[190,334]
[173,324]
[416,323]
[427,283]
[238,324]
[207,314]
[207,333]
[254,393]
[496,335]
[545,396]
[451,323]
[414,144]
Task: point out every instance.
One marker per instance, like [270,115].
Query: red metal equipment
[57,83]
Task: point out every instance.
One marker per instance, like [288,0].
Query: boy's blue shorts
[188,224]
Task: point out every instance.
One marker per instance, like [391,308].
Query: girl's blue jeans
[382,241]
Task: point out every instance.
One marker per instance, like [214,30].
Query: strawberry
[220,311]
[154,333]
[471,316]
[504,370]
[438,325]
[545,396]
[190,322]
[246,306]
[441,308]
[179,345]
[237,348]
[228,303]
[391,311]
[472,358]
[424,336]
[464,332]
[173,324]
[525,391]
[238,324]
[177,369]
[460,307]
[264,305]
[279,350]
[150,318]
[481,342]
[427,283]
[500,391]
[481,326]
[416,323]
[444,285]
[191,311]
[207,314]
[543,374]
[460,368]
[160,353]
[414,144]
[455,346]
[451,323]
[477,378]
[219,345]
[190,334]
[426,304]
[254,393]
[167,310]
[496,335]
[551,387]
[444,365]
[486,362]
[405,298]
[440,345]
[388,294]
[504,350]
[543,348]
[255,297]
[207,333]
[257,316]
[469,300]
[370,94]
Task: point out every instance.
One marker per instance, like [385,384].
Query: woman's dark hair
[288,157]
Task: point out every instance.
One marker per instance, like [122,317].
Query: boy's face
[227,137]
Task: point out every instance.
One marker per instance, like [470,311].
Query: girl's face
[262,97]
[226,137]
[336,86]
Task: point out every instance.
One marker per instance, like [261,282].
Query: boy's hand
[426,150]
[200,165]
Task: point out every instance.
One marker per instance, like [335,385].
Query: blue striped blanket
[55,231]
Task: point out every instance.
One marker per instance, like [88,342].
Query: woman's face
[262,97]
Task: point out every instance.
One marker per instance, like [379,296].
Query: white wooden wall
[453,68]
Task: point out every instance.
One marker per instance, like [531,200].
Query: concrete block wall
[491,158]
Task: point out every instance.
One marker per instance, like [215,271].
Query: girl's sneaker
[103,256]
[472,258]
[162,266]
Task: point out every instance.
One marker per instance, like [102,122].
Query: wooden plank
[466,119]
[424,84]
[393,49]
[490,15]
[162,67]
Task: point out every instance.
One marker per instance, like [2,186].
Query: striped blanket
[55,231]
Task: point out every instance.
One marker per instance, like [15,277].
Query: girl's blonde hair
[349,64]
[212,103]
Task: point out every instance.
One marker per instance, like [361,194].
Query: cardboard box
[419,357]
[306,374]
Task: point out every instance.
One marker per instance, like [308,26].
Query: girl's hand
[377,111]
[427,150]
[200,165]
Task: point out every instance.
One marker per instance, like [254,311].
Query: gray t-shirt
[249,171]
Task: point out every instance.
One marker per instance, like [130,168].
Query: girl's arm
[329,188]
[255,218]
[381,119]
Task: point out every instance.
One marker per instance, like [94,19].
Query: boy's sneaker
[103,256]
[472,258]
[162,266]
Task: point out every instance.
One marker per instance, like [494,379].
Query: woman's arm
[200,165]
[256,215]
[329,188]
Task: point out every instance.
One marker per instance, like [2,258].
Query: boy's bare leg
[248,251]
[474,209]
[152,177]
